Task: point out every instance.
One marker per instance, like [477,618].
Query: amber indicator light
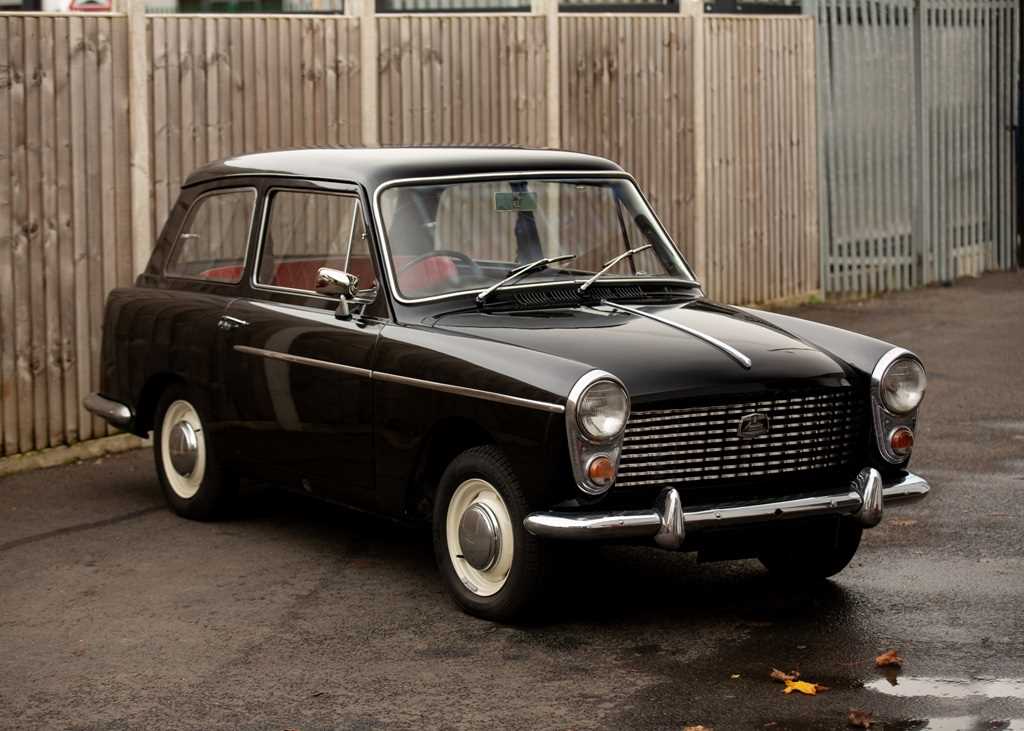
[600,471]
[902,440]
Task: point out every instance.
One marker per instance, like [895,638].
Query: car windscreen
[463,236]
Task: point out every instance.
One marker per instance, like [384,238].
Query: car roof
[371,167]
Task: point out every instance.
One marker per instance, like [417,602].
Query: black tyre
[194,482]
[489,563]
[814,552]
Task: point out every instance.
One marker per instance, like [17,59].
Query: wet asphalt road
[116,614]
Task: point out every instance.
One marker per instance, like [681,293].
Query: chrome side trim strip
[405,380]
[301,360]
[471,392]
[724,347]
[114,412]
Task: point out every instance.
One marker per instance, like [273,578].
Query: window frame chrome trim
[265,217]
[883,419]
[187,219]
[404,380]
[385,249]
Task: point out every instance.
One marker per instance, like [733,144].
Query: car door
[203,270]
[298,376]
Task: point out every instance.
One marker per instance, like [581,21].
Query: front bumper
[669,524]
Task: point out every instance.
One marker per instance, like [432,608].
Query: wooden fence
[761,158]
[627,87]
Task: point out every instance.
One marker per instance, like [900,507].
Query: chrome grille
[808,432]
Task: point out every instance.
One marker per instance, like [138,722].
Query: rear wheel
[490,564]
[813,552]
[193,480]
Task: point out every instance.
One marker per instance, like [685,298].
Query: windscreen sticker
[515,201]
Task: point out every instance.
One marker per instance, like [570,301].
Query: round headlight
[603,409]
[902,386]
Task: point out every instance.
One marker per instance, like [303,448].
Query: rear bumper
[114,412]
[669,523]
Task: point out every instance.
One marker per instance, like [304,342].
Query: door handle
[228,323]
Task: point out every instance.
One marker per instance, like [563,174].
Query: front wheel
[490,564]
[813,552]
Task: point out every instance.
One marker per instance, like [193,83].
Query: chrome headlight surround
[886,420]
[583,448]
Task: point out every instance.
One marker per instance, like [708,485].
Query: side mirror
[336,283]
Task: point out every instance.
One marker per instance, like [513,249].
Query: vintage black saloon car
[505,343]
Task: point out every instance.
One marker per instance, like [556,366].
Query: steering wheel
[474,268]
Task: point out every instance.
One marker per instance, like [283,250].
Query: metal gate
[917,108]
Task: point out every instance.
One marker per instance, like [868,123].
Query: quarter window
[212,243]
[307,231]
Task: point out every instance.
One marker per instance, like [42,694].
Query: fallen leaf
[783,677]
[902,522]
[888,658]
[804,687]
[860,719]
[697,728]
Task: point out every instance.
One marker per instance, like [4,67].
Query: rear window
[212,243]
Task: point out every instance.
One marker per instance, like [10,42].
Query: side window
[306,231]
[212,243]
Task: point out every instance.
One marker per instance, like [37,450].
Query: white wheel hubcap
[183,449]
[472,499]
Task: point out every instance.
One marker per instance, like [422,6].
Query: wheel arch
[149,397]
[447,438]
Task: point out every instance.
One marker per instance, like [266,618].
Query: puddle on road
[964,723]
[906,687]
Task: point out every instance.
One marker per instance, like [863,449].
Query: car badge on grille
[753,425]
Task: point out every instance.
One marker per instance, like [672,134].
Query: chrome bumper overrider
[668,523]
[114,412]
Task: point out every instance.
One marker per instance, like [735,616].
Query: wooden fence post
[549,9]
[369,75]
[138,133]
[695,10]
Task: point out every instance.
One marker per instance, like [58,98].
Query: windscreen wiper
[609,264]
[520,272]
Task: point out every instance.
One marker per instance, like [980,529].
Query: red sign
[91,6]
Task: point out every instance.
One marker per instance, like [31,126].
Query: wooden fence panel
[627,94]
[223,85]
[475,79]
[64,205]
[760,161]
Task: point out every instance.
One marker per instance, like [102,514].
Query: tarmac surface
[114,613]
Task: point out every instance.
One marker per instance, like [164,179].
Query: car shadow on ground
[593,584]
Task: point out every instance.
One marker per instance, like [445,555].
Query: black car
[505,343]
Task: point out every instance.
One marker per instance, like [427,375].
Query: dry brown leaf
[697,728]
[783,677]
[858,718]
[888,658]
[804,687]
[902,522]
